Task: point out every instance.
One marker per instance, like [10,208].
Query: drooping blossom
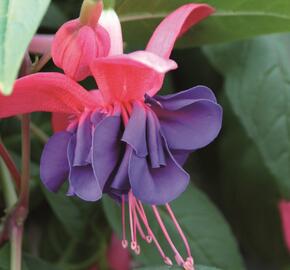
[284,209]
[79,41]
[123,139]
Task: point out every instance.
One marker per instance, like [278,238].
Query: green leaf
[68,210]
[18,23]
[54,17]
[210,238]
[257,81]
[33,263]
[255,141]
[233,20]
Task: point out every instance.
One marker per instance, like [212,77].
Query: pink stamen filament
[180,232]
[178,257]
[124,241]
[133,242]
[140,230]
[151,234]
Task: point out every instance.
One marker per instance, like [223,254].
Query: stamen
[190,259]
[140,230]
[152,236]
[133,243]
[124,241]
[138,250]
[178,258]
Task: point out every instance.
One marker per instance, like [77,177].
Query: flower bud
[80,41]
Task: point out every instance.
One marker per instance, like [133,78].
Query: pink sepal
[170,29]
[128,77]
[175,25]
[48,92]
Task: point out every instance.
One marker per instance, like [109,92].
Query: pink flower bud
[118,257]
[284,208]
[80,41]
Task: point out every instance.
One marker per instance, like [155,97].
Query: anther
[190,260]
[188,266]
[138,250]
[133,245]
[124,243]
[148,239]
[167,261]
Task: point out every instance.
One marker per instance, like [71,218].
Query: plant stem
[24,190]
[21,210]
[39,133]
[9,193]
[16,247]
[10,198]
[10,164]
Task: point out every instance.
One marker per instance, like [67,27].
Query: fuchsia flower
[284,208]
[79,41]
[123,139]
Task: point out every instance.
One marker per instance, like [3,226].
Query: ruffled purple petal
[176,101]
[82,179]
[156,185]
[190,127]
[54,166]
[180,156]
[154,141]
[83,141]
[135,132]
[120,181]
[106,147]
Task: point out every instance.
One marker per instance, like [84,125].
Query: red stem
[10,165]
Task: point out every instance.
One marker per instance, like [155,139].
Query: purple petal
[176,101]
[191,127]
[96,117]
[135,132]
[54,167]
[121,179]
[154,141]
[180,156]
[156,185]
[83,141]
[106,147]
[82,179]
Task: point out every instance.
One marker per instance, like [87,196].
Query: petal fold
[106,147]
[82,178]
[135,132]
